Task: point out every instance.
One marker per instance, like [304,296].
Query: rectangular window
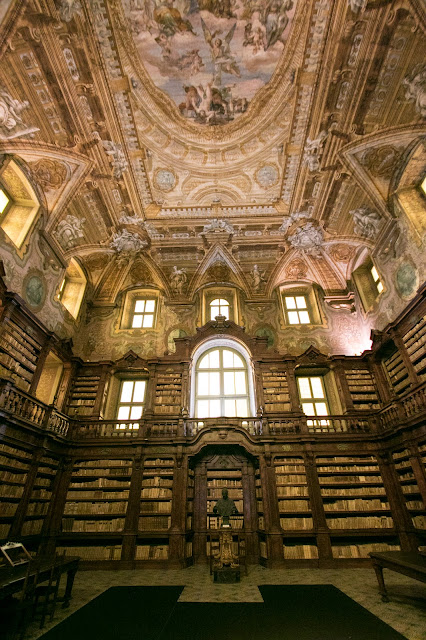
[313,398]
[131,402]
[143,314]
[376,278]
[296,310]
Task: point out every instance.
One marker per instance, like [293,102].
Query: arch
[233,345]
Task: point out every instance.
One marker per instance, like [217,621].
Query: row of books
[18,354]
[223,482]
[77,508]
[292,491]
[300,551]
[290,468]
[112,471]
[349,479]
[156,492]
[215,494]
[291,478]
[349,468]
[154,523]
[358,504]
[156,507]
[159,462]
[92,526]
[41,493]
[32,527]
[293,505]
[8,508]
[419,522]
[13,366]
[297,523]
[93,553]
[362,550]
[16,464]
[11,491]
[6,476]
[37,508]
[214,522]
[157,481]
[415,504]
[152,552]
[103,463]
[103,495]
[360,522]
[5,448]
[351,491]
[102,482]
[351,459]
[9,339]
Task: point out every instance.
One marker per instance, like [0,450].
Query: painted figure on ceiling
[170,19]
[223,60]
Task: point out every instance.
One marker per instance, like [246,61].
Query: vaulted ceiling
[191,132]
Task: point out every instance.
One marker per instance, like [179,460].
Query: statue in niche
[225,507]
[178,280]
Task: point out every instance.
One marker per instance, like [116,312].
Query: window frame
[287,311]
[130,297]
[70,280]
[366,285]
[144,313]
[222,302]
[13,182]
[130,424]
[233,345]
[315,419]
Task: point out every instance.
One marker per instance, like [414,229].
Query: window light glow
[130,406]
[143,315]
[297,310]
[219,307]
[4,201]
[376,278]
[423,185]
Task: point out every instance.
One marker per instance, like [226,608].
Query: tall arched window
[219,307]
[221,384]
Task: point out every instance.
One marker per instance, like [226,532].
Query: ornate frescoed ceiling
[267,137]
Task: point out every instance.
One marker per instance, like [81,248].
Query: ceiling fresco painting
[210,56]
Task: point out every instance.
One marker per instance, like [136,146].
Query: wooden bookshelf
[362,389]
[41,496]
[156,495]
[20,348]
[96,501]
[217,480]
[413,499]
[397,372]
[415,344]
[168,392]
[14,468]
[259,500]
[83,394]
[355,505]
[275,390]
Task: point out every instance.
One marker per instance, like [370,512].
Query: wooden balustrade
[24,407]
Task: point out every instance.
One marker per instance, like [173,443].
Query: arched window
[221,384]
[18,203]
[219,307]
[71,290]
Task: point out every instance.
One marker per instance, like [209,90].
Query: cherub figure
[223,60]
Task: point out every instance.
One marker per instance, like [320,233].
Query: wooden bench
[408,563]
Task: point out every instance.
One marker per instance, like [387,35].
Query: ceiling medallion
[165,179]
[210,58]
[267,176]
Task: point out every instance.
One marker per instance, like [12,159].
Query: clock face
[164,179]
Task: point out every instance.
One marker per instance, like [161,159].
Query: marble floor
[406,611]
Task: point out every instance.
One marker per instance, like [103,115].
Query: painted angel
[276,21]
[223,60]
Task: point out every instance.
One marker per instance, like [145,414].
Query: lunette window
[296,310]
[219,307]
[143,314]
[131,403]
[313,398]
[221,385]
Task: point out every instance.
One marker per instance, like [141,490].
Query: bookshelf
[168,392]
[83,394]
[156,495]
[397,372]
[294,508]
[41,496]
[259,500]
[413,499]
[362,389]
[415,343]
[355,505]
[275,390]
[14,468]
[19,351]
[217,480]
[95,507]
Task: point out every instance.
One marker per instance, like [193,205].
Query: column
[250,512]
[200,512]
[274,533]
[178,519]
[131,523]
[325,552]
[342,386]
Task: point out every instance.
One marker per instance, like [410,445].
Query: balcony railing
[28,410]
